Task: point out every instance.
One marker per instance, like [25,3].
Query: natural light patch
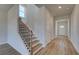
[61,26]
[21,11]
[61,44]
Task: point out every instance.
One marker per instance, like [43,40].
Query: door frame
[59,20]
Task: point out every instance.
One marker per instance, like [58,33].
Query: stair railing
[26,38]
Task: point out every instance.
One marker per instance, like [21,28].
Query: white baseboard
[74,45]
[3,43]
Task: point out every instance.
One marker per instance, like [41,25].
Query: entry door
[62,27]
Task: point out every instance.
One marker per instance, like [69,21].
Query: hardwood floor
[6,49]
[59,46]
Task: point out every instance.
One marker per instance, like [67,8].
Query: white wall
[3,27]
[14,38]
[39,20]
[75,27]
[49,26]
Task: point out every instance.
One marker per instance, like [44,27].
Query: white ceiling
[5,7]
[55,11]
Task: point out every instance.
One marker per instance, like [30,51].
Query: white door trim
[60,21]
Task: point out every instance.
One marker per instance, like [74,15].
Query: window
[21,11]
[61,26]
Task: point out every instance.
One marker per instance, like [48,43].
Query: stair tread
[33,45]
[37,50]
[34,42]
[41,52]
[36,47]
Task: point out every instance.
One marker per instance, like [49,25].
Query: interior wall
[3,27]
[14,38]
[38,19]
[49,33]
[75,27]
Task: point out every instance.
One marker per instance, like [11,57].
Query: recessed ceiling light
[59,7]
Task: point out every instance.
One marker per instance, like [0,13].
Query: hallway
[61,45]
[40,29]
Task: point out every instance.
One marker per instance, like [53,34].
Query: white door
[62,27]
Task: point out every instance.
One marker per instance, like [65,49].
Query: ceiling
[5,7]
[55,11]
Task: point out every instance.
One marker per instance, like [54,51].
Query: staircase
[33,45]
[6,49]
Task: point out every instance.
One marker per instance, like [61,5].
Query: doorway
[61,27]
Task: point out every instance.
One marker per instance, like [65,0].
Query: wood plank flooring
[6,49]
[61,45]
